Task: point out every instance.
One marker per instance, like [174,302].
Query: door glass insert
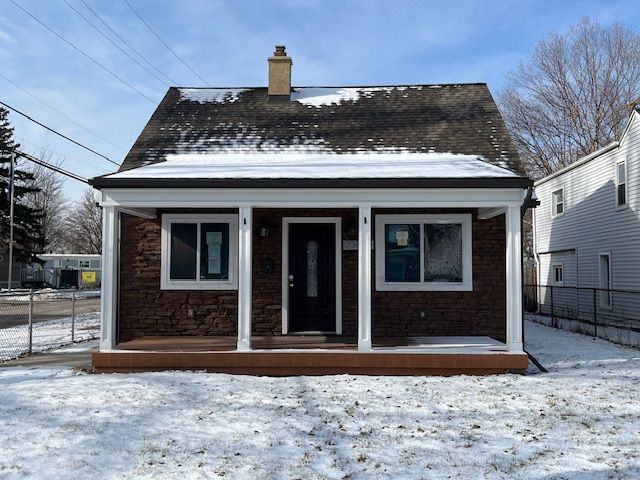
[312,269]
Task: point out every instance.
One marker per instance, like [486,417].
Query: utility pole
[11,200]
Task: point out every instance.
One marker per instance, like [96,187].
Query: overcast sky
[227,44]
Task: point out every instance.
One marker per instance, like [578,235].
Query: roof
[374,132]
[635,114]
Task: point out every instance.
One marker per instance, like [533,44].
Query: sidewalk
[70,356]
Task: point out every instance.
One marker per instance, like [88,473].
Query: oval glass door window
[312,269]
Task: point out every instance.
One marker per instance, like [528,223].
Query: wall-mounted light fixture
[264,231]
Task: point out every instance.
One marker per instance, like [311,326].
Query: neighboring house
[315,230]
[62,270]
[4,270]
[587,232]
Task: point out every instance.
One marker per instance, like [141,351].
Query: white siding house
[587,232]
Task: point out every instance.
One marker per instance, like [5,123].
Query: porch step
[305,362]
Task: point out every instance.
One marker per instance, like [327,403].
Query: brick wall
[147,310]
[479,312]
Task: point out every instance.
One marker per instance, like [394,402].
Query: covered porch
[347,349]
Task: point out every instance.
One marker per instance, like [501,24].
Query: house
[315,230]
[62,270]
[587,234]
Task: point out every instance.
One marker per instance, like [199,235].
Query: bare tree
[48,197]
[84,225]
[573,95]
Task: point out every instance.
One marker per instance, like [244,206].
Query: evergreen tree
[27,232]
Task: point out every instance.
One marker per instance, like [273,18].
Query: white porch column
[514,280]
[244,278]
[364,279]
[109,288]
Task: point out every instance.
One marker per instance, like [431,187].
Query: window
[621,183]
[604,270]
[557,202]
[558,274]
[199,252]
[423,252]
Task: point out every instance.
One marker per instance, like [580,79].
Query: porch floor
[314,355]
[444,344]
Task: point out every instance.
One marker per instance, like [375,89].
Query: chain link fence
[38,320]
[610,314]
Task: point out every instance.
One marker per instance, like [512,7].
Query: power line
[97,15]
[97,135]
[55,168]
[61,157]
[86,55]
[115,44]
[164,43]
[58,133]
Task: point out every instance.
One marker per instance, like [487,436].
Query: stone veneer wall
[147,310]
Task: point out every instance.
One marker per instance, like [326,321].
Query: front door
[312,277]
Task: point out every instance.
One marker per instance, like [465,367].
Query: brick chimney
[279,75]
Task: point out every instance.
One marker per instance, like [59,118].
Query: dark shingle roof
[460,118]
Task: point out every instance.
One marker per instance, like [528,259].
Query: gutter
[530,201]
[413,182]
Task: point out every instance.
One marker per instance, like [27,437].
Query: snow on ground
[47,335]
[579,421]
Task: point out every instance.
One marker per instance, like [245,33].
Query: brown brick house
[315,230]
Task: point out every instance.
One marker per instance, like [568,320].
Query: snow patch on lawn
[579,421]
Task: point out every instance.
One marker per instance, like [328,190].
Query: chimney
[279,75]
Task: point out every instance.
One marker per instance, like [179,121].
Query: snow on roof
[320,96]
[300,165]
[217,95]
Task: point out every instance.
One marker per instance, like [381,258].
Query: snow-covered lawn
[582,420]
[14,341]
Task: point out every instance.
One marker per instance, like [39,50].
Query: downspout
[532,202]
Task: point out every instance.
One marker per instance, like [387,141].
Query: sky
[226,43]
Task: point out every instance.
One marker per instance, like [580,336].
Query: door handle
[291,285]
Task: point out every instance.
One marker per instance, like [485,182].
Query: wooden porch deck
[313,355]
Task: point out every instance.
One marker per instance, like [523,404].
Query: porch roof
[290,168]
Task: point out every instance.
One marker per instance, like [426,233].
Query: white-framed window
[557,202]
[621,183]
[199,252]
[423,252]
[558,274]
[604,273]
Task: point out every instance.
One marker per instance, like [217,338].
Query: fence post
[73,316]
[595,313]
[553,320]
[30,346]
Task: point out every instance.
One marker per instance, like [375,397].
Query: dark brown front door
[312,277]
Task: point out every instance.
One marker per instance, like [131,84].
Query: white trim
[559,283]
[312,198]
[148,213]
[286,221]
[245,287]
[109,286]
[487,213]
[467,254]
[554,205]
[601,295]
[364,278]
[166,283]
[514,281]
[624,205]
